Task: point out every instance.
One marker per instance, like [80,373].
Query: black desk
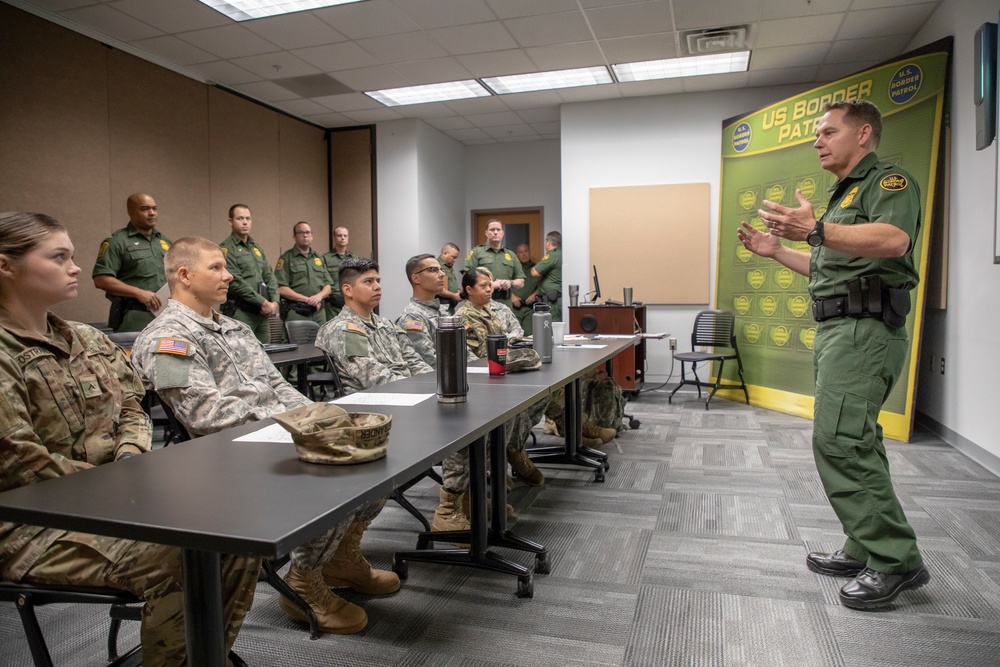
[301,357]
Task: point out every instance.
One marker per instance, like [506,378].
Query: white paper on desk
[163,294]
[610,336]
[382,399]
[570,346]
[481,370]
[272,433]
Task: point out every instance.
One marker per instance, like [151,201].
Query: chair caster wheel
[634,424]
[599,475]
[607,465]
[525,587]
[401,569]
[542,565]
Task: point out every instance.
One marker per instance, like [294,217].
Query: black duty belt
[501,294]
[828,309]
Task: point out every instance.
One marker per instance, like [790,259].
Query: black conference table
[213,495]
[301,357]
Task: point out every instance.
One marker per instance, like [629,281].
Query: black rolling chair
[124,339]
[326,380]
[714,329]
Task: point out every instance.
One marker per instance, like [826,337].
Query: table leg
[302,378]
[203,623]
[573,453]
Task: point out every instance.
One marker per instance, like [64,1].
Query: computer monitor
[597,286]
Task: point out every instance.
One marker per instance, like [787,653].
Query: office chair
[714,329]
[304,332]
[124,339]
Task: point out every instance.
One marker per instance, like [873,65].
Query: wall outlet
[673,343]
[942,365]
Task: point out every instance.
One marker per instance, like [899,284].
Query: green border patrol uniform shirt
[550,268]
[525,312]
[502,263]
[333,260]
[137,261]
[857,362]
[453,284]
[307,275]
[249,266]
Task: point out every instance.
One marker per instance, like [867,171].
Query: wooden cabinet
[629,365]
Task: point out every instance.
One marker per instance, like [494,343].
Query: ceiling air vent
[716,40]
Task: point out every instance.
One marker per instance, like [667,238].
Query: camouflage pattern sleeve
[416,333]
[508,319]
[348,344]
[475,331]
[414,359]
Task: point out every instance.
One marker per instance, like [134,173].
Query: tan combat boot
[450,515]
[550,427]
[334,615]
[525,468]
[465,505]
[592,430]
[349,569]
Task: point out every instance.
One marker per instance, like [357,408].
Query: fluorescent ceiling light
[567,78]
[715,63]
[434,92]
[245,10]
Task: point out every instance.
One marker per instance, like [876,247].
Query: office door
[521,225]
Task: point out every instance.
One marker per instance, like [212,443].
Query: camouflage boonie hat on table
[325,433]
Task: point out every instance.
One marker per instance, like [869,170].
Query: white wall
[646,141]
[963,400]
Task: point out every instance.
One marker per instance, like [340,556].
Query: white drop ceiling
[393,43]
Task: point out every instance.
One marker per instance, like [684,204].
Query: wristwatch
[816,237]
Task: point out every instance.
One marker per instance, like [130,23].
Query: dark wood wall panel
[303,182]
[351,186]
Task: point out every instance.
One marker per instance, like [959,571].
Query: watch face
[814,238]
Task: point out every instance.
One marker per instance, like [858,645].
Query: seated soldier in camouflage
[214,374]
[480,316]
[71,402]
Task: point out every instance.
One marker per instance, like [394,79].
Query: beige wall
[82,126]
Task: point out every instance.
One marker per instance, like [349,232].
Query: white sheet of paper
[383,399]
[570,346]
[163,294]
[609,336]
[480,370]
[272,433]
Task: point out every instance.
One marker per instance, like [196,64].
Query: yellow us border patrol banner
[769,155]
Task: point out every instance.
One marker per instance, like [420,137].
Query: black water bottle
[452,360]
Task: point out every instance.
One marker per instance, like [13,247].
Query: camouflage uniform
[333,260]
[246,261]
[214,374]
[368,353]
[481,323]
[508,320]
[136,260]
[419,324]
[72,403]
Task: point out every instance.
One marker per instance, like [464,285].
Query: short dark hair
[236,206]
[555,238]
[412,264]
[451,246]
[471,277]
[858,113]
[354,267]
[296,225]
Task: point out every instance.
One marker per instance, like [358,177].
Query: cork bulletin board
[654,239]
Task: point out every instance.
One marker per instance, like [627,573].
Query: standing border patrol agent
[861,271]
[253,294]
[522,299]
[449,295]
[333,260]
[548,272]
[303,281]
[129,266]
[501,262]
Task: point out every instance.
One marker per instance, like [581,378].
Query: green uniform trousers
[135,320]
[151,572]
[319,317]
[857,363]
[260,325]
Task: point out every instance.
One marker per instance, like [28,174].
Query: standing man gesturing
[860,273]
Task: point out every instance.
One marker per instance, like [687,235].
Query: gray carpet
[691,553]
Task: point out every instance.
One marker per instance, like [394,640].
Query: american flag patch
[413,325]
[173,346]
[357,328]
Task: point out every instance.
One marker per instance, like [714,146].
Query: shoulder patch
[281,263]
[545,257]
[173,346]
[103,249]
[413,325]
[469,256]
[356,328]
[164,244]
[894,183]
[225,250]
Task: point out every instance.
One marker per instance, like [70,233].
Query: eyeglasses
[431,269]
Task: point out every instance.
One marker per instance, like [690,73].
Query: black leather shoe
[872,589]
[837,564]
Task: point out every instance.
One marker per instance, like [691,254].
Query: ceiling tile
[371,78]
[549,29]
[231,41]
[265,91]
[224,72]
[171,17]
[875,23]
[716,82]
[496,63]
[295,31]
[447,123]
[174,50]
[543,115]
[330,120]
[657,87]
[566,56]
[507,9]
[278,65]
[546,128]
[779,9]
[479,105]
[429,111]
[466,135]
[476,38]
[540,98]
[640,18]
[640,48]
[104,19]
[373,115]
[840,70]
[334,57]
[874,4]
[348,102]
[854,50]
[367,19]
[440,13]
[608,91]
[60,5]
[301,107]
[801,30]
[781,77]
[692,14]
[786,56]
[511,131]
[434,70]
[402,47]
[494,119]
